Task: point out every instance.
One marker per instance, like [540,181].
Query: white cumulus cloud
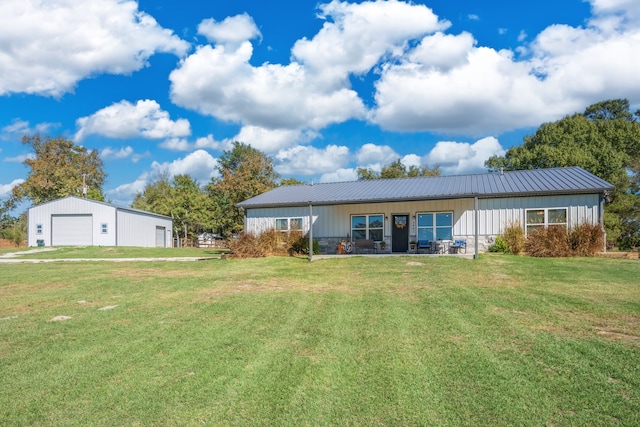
[456,158]
[5,189]
[126,120]
[50,45]
[232,31]
[306,160]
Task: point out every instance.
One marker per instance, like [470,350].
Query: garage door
[71,230]
[160,237]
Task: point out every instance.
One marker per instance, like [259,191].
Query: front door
[399,233]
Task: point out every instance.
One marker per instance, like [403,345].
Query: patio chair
[458,245]
[425,245]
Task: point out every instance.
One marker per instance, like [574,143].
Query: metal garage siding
[161,239]
[71,230]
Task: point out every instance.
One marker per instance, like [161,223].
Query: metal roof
[120,208]
[569,180]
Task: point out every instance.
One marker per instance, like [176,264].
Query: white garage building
[74,221]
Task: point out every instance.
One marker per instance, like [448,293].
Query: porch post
[310,232]
[477,222]
[601,221]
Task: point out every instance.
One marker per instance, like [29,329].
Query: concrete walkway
[14,258]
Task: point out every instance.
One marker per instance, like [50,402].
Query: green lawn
[358,341]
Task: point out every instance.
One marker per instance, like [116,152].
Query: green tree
[605,140]
[397,170]
[58,168]
[244,173]
[156,197]
[291,181]
[183,200]
[16,230]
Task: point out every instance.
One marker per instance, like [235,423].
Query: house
[75,221]
[474,207]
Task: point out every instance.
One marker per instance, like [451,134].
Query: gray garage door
[71,230]
[160,237]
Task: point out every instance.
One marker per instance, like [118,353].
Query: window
[537,218]
[38,228]
[368,227]
[288,224]
[435,226]
[104,228]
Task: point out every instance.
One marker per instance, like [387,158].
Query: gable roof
[98,202]
[571,180]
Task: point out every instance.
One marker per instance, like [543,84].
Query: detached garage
[74,221]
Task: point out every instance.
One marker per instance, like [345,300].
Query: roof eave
[420,199]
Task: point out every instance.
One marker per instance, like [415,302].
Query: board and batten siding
[140,229]
[493,214]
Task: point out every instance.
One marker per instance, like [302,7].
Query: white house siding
[496,213]
[140,229]
[333,223]
[43,214]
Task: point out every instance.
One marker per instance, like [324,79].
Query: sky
[165,86]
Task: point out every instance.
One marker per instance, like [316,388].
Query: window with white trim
[435,225]
[367,227]
[546,217]
[104,228]
[288,224]
[38,228]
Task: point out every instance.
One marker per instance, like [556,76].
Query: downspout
[310,231]
[477,222]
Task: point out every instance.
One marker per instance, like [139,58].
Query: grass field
[358,341]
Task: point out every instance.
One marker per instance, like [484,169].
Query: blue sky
[165,86]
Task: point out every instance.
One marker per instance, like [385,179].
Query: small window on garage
[38,228]
[104,228]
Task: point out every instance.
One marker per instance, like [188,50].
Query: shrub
[300,246]
[586,239]
[513,237]
[499,246]
[548,242]
[271,243]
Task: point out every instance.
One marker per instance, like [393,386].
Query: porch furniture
[457,246]
[365,246]
[424,245]
[440,246]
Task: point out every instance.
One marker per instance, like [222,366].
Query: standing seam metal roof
[569,180]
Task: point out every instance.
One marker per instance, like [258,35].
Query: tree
[183,200]
[397,170]
[15,229]
[291,181]
[605,140]
[244,173]
[59,168]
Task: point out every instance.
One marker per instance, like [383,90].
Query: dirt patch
[272,285]
[24,288]
[61,318]
[615,326]
[627,255]
[620,336]
[107,307]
